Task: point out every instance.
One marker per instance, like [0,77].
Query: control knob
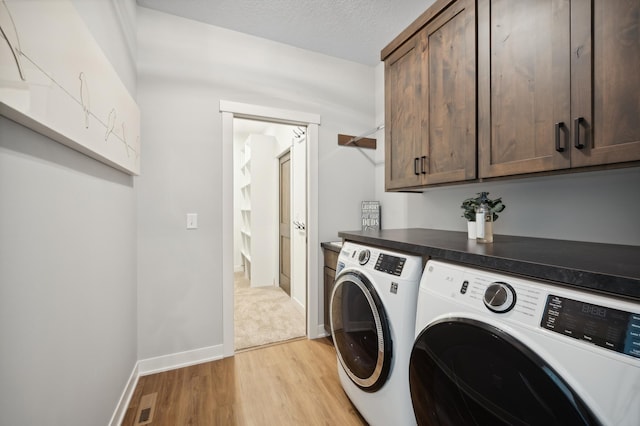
[499,297]
[364,256]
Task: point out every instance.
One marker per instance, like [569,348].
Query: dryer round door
[360,331]
[466,372]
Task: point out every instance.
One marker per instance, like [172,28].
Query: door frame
[229,110]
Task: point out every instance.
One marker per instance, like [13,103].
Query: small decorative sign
[371,215]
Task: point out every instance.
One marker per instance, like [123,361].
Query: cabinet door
[329,278]
[605,60]
[523,86]
[403,111]
[449,151]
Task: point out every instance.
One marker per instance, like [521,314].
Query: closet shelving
[245,210]
[258,210]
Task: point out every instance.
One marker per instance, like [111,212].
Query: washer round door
[360,331]
[465,372]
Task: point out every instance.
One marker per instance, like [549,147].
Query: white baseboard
[179,360]
[125,398]
[321,332]
[299,305]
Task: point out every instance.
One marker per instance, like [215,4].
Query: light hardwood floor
[293,383]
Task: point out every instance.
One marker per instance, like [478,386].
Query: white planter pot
[471,230]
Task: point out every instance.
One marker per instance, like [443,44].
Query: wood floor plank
[287,384]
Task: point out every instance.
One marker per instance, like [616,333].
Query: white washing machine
[493,349]
[373,313]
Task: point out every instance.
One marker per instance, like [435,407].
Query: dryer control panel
[390,264]
[606,327]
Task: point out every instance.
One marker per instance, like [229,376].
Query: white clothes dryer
[494,349]
[372,314]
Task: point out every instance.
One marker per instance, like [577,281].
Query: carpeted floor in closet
[264,315]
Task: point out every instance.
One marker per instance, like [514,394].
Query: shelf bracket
[359,141]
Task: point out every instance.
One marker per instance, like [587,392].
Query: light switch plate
[192,220]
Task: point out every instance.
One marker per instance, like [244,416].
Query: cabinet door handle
[576,132]
[423,163]
[559,127]
[415,166]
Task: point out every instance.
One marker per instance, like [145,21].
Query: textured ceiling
[355,30]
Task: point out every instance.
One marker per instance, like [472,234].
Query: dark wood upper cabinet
[403,112]
[523,86]
[558,84]
[449,151]
[605,81]
[557,81]
[430,102]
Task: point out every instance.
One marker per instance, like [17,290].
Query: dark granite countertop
[607,268]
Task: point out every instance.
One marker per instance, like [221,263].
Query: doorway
[269,288]
[229,110]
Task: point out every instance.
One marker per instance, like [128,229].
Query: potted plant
[469,207]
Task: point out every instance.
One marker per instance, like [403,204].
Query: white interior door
[299,218]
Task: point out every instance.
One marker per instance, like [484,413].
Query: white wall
[264,210]
[183,75]
[67,265]
[598,206]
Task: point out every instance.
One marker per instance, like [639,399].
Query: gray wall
[595,206]
[183,75]
[67,266]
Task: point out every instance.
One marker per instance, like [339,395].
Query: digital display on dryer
[609,328]
[390,264]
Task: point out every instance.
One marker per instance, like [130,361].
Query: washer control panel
[364,256]
[375,260]
[499,297]
[609,323]
[486,292]
[609,328]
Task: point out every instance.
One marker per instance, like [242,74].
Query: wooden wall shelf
[368,143]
